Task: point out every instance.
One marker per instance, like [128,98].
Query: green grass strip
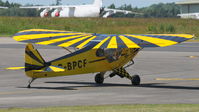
[113,108]
[12,25]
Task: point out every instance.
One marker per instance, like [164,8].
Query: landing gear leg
[30,82]
[135,79]
[99,78]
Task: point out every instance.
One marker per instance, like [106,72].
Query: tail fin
[97,3]
[33,59]
[35,64]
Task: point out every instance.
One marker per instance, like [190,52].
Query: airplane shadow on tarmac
[146,85]
[92,84]
[168,87]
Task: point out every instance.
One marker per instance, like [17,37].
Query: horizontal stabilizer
[15,68]
[54,69]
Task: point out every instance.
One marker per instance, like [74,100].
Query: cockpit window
[100,53]
[110,54]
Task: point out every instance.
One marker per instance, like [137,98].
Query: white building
[3,7]
[189,9]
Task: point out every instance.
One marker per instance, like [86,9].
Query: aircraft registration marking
[76,64]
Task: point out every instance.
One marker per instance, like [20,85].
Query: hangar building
[189,9]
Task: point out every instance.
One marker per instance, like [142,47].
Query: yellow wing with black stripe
[81,40]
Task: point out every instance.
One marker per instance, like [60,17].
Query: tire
[135,80]
[99,79]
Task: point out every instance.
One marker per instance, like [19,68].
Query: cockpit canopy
[110,54]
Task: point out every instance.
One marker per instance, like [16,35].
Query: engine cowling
[55,13]
[44,13]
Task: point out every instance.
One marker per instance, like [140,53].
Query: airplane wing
[46,7]
[81,40]
[109,12]
[122,11]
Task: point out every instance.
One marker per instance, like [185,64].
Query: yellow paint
[86,42]
[46,30]
[176,35]
[156,41]
[129,43]
[15,68]
[176,79]
[58,40]
[37,36]
[31,61]
[113,43]
[55,69]
[35,52]
[193,56]
[100,44]
[69,43]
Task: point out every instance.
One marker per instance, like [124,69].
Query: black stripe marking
[80,42]
[46,38]
[120,43]
[64,41]
[97,60]
[98,39]
[93,44]
[140,42]
[105,44]
[29,67]
[31,54]
[172,38]
[39,32]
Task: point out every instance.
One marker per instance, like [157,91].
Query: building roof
[186,2]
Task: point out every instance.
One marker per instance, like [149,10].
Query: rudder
[33,59]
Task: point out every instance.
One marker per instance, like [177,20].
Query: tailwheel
[135,80]
[30,82]
[99,78]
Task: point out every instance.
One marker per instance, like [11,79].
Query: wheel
[28,86]
[135,80]
[99,79]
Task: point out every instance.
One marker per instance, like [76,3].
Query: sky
[134,3]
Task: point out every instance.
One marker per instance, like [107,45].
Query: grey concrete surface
[169,62]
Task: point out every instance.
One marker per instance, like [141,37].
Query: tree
[14,10]
[161,10]
[112,6]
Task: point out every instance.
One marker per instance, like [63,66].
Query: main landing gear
[99,78]
[135,79]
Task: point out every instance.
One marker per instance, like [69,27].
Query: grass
[11,25]
[114,108]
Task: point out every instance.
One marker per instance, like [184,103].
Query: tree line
[14,10]
[160,10]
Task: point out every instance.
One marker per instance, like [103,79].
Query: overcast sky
[138,3]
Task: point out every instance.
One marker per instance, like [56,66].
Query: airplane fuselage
[88,60]
[80,11]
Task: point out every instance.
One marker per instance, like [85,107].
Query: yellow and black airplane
[97,53]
